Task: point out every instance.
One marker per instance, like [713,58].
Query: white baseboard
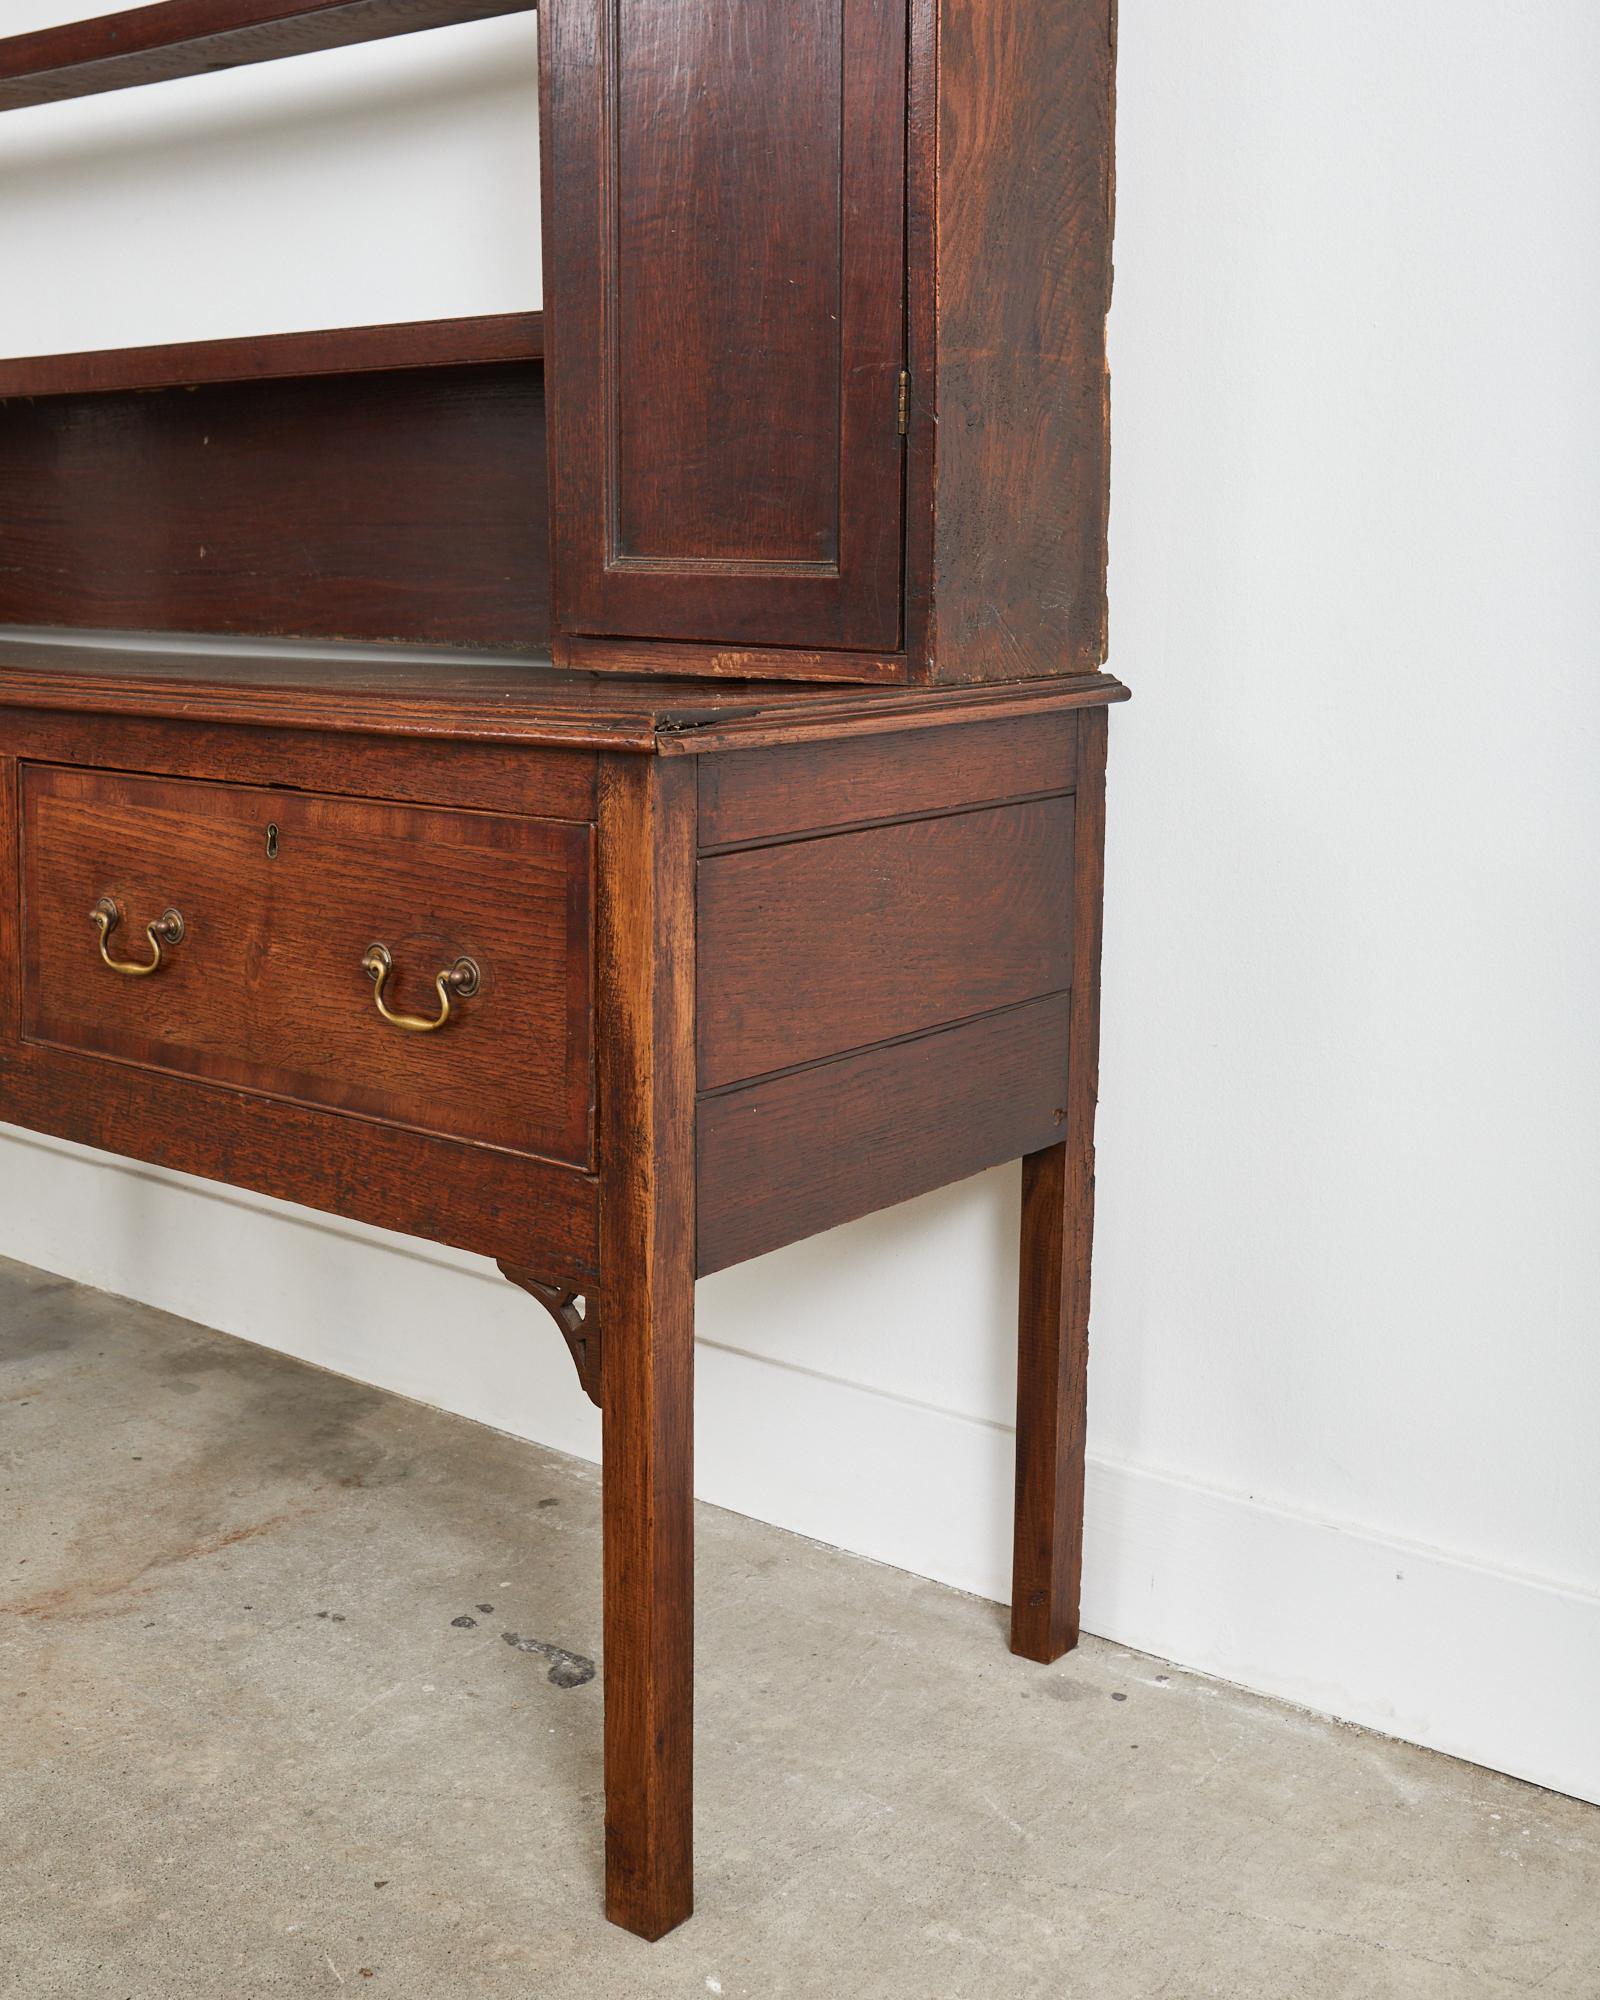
[1441,1650]
[1499,1668]
[1455,1654]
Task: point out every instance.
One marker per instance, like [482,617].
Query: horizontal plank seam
[275,708]
[764,730]
[716,1090]
[799,835]
[189,1080]
[902,706]
[366,796]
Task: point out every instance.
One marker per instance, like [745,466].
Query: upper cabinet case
[725,285]
[757,213]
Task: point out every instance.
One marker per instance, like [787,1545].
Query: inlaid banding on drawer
[281,895]
[821,946]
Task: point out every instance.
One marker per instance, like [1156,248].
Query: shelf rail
[178,38]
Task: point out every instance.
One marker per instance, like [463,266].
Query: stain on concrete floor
[249,1749]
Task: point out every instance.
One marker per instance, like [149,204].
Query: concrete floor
[265,1735]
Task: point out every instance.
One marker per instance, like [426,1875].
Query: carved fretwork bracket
[575,1312]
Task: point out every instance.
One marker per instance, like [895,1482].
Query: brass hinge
[905,403]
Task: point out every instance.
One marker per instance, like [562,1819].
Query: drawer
[281,894]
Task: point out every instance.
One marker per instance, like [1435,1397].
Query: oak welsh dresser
[688,835]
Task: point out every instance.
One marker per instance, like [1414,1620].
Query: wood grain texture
[645,957]
[726,458]
[472,1197]
[822,946]
[266,992]
[405,505]
[577,1319]
[805,787]
[730,127]
[922,327]
[178,38]
[495,777]
[357,694]
[755,217]
[10,904]
[741,663]
[349,350]
[781,1160]
[1057,1241]
[1017,419]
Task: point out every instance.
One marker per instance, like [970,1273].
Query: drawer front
[267,991]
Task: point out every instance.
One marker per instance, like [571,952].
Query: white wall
[394,181]
[1346,1377]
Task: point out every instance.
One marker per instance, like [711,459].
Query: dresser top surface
[393,691]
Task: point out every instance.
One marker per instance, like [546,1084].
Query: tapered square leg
[1053,1307]
[1052,1377]
[649,1605]
[645,965]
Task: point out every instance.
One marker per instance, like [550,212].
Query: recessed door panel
[724,238]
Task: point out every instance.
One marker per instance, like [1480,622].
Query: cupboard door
[725,280]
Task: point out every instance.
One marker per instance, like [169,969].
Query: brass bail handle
[457,982]
[166,930]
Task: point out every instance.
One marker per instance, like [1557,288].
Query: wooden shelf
[179,38]
[351,350]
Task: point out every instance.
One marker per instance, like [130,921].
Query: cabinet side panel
[10,907]
[1023,139]
[819,947]
[783,1159]
[808,787]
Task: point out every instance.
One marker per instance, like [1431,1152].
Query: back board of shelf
[371,483]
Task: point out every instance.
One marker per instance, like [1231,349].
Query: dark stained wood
[805,787]
[398,693]
[1010,416]
[1008,190]
[782,1160]
[1057,1239]
[179,38]
[878,712]
[801,1150]
[10,907]
[406,505]
[348,350]
[472,1197]
[577,1317]
[739,663]
[821,946]
[922,284]
[865,927]
[645,957]
[547,784]
[726,459]
[267,992]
